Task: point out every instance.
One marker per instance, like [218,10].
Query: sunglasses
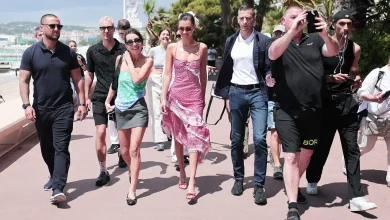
[53,26]
[188,29]
[131,42]
[109,28]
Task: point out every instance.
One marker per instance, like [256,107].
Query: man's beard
[50,37]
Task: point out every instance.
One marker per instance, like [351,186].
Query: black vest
[339,64]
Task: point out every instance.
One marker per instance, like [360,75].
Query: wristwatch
[82,105]
[24,106]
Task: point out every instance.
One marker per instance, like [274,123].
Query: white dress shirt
[244,72]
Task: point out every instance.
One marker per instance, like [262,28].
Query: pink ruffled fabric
[185,109]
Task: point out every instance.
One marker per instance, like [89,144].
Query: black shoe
[103,179]
[278,173]
[121,162]
[113,149]
[293,214]
[301,198]
[48,185]
[131,201]
[238,188]
[186,159]
[57,196]
[259,194]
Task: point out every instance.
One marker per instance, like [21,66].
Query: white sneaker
[359,204]
[57,198]
[311,189]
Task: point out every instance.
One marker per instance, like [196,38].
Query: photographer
[296,65]
[376,103]
[340,114]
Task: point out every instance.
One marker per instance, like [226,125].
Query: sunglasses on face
[53,26]
[188,29]
[136,40]
[109,28]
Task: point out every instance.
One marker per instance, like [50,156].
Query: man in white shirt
[241,83]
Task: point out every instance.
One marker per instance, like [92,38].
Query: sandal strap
[191,195]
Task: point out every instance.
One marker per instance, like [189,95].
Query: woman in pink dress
[183,104]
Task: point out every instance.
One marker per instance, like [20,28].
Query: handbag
[212,95]
[376,126]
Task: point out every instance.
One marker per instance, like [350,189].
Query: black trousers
[347,125]
[54,127]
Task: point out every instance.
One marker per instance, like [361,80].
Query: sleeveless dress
[185,108]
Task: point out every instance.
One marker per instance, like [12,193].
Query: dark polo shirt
[299,73]
[50,72]
[102,63]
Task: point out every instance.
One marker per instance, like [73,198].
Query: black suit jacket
[261,63]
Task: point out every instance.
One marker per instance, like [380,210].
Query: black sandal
[293,214]
[131,201]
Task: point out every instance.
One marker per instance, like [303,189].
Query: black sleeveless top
[339,64]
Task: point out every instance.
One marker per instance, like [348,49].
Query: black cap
[342,15]
[123,24]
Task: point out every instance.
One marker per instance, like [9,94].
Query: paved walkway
[9,85]
[23,173]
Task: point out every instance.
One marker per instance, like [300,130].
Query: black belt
[247,87]
[340,96]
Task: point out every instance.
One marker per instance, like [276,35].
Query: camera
[351,80]
[311,19]
[111,114]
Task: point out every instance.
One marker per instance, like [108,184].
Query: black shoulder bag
[212,95]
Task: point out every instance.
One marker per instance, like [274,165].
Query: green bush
[375,47]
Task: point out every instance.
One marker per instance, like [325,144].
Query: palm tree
[149,6]
[274,17]
[226,13]
[261,9]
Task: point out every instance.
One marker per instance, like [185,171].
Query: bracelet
[82,105]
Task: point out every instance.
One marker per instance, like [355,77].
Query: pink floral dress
[185,108]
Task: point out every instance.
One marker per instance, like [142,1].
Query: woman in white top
[371,92]
[154,88]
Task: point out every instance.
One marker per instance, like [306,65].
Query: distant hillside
[29,27]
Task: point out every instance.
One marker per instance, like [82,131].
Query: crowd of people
[302,87]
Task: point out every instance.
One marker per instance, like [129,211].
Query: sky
[71,12]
